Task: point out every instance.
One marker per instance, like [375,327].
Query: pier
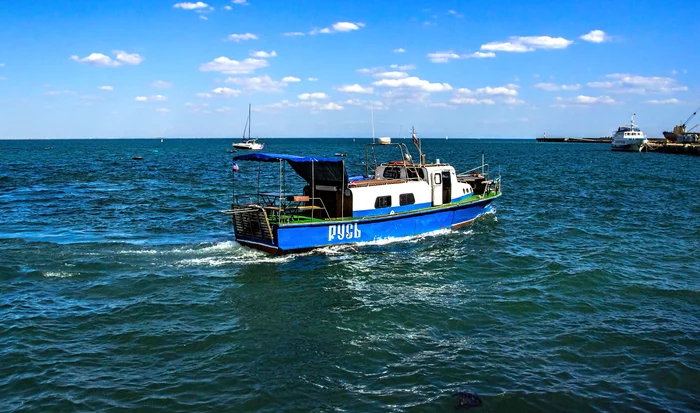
[603,139]
[673,147]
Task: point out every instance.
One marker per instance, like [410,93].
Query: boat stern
[252,228]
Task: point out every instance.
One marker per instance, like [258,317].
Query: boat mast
[246,126]
[249,121]
[371,110]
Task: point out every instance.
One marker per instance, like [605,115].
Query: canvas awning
[326,171]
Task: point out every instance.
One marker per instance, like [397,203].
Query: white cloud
[2,64]
[330,106]
[391,75]
[479,55]
[241,37]
[355,89]
[444,57]
[263,55]
[202,17]
[354,102]
[413,83]
[294,34]
[595,36]
[191,6]
[400,50]
[454,13]
[204,95]
[347,27]
[471,101]
[403,68]
[505,94]
[240,2]
[400,68]
[224,109]
[309,96]
[160,84]
[513,101]
[553,87]
[61,92]
[228,8]
[585,100]
[291,79]
[233,67]
[263,84]
[663,102]
[225,92]
[153,98]
[338,28]
[507,90]
[312,79]
[162,110]
[527,44]
[107,88]
[627,83]
[101,60]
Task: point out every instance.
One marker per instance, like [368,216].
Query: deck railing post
[313,188]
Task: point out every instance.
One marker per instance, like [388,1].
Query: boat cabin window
[413,173]
[392,172]
[407,199]
[382,201]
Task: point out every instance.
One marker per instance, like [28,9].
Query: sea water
[122,286]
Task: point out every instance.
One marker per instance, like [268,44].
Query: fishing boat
[629,138]
[398,198]
[248,143]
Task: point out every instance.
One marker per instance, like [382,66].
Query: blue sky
[146,68]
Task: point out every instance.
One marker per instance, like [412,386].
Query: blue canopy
[321,171]
[276,157]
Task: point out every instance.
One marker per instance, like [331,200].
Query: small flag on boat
[235,167]
[415,139]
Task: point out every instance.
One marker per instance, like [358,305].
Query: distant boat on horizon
[248,143]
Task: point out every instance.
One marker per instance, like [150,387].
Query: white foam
[57,274]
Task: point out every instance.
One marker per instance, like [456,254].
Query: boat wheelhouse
[629,138]
[400,199]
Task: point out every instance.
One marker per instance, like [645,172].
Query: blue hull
[290,238]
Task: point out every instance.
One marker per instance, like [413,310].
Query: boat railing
[482,169]
[284,207]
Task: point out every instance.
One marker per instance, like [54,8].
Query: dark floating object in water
[138,158]
[341,154]
[48,147]
[467,400]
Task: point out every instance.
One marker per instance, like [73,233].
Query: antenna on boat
[417,142]
[371,110]
[633,119]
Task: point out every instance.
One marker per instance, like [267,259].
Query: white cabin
[398,187]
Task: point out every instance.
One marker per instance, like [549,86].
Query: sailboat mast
[249,121]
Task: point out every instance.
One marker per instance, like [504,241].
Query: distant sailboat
[247,143]
[445,137]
